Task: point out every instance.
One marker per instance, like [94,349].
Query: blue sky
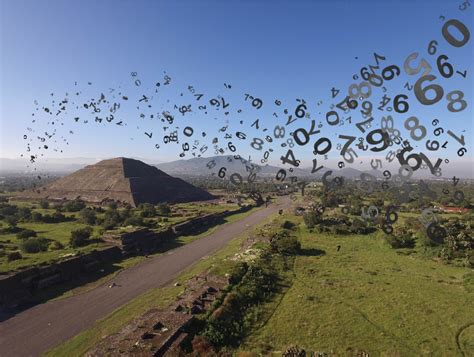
[273,50]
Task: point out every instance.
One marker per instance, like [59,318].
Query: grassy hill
[369,297]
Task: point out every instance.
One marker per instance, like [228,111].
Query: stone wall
[197,224]
[19,287]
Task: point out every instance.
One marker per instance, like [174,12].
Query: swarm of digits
[369,106]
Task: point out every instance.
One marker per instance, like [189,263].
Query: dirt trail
[38,329]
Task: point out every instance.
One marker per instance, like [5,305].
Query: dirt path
[38,329]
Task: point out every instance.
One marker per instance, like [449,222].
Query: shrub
[55,245]
[125,213]
[14,256]
[288,225]
[74,206]
[400,238]
[44,204]
[163,209]
[134,221]
[358,226]
[237,272]
[56,217]
[12,221]
[112,205]
[34,245]
[87,215]
[285,244]
[24,213]
[111,219]
[36,217]
[8,210]
[147,210]
[26,233]
[312,218]
[79,237]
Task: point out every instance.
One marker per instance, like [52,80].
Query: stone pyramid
[123,180]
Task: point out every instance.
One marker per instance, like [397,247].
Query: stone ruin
[123,180]
[160,332]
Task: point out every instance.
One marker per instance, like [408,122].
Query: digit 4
[289,158]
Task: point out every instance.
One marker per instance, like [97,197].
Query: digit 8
[257,143]
[459,99]
[360,93]
[384,123]
[279,132]
[290,142]
[414,128]
[390,156]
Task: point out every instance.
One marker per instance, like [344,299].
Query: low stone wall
[197,224]
[140,241]
[19,287]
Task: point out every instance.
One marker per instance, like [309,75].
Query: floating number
[461,28]
[459,99]
[412,124]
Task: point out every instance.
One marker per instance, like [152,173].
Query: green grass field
[61,232]
[369,297]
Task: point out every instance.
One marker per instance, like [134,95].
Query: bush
[237,272]
[163,209]
[111,219]
[56,217]
[34,245]
[14,256]
[55,245]
[74,206]
[288,225]
[36,217]
[285,244]
[26,233]
[44,204]
[312,218]
[112,205]
[87,215]
[401,238]
[12,221]
[8,210]
[125,213]
[24,213]
[80,237]
[134,221]
[147,210]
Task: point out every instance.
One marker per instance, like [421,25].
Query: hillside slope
[369,297]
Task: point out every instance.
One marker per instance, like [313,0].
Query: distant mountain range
[52,165]
[198,167]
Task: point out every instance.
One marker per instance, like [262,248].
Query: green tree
[147,210]
[12,221]
[88,215]
[34,245]
[74,205]
[44,204]
[80,237]
[26,233]
[163,209]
